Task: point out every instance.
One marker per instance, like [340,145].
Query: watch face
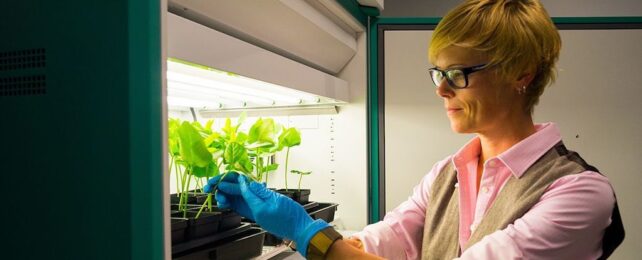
[321,242]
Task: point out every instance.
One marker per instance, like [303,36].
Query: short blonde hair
[517,36]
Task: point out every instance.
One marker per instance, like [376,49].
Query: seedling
[290,137]
[300,173]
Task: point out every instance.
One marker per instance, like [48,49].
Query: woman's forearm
[342,249]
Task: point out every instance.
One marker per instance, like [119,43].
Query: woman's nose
[444,90]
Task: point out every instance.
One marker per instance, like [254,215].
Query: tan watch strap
[321,243]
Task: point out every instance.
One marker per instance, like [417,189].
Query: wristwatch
[321,243]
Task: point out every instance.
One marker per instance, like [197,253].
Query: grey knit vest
[441,229]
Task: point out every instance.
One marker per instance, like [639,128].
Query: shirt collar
[521,155]
[524,154]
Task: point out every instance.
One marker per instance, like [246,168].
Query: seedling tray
[243,245]
[206,224]
[174,207]
[179,229]
[310,204]
[323,211]
[199,242]
[229,220]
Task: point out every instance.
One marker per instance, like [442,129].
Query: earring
[521,90]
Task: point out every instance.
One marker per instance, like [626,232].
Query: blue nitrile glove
[229,195]
[274,212]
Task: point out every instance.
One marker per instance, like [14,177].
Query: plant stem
[256,162]
[300,177]
[209,198]
[181,201]
[186,189]
[287,156]
[266,175]
[178,175]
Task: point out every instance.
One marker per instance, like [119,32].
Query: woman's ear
[525,79]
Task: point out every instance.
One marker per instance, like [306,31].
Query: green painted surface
[145,129]
[71,157]
[353,7]
[373,125]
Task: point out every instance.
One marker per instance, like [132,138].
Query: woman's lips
[452,111]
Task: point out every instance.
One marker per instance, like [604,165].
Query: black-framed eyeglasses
[457,77]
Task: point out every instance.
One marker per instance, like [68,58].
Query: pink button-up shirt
[568,222]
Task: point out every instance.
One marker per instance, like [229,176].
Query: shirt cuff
[380,239]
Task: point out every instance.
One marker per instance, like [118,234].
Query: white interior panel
[292,28]
[417,130]
[595,102]
[196,43]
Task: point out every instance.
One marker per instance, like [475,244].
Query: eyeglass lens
[454,77]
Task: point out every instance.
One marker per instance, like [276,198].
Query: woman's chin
[460,128]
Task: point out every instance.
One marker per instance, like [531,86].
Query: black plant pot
[179,229]
[174,207]
[192,198]
[206,224]
[289,193]
[301,196]
[229,219]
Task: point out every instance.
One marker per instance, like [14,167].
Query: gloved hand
[274,212]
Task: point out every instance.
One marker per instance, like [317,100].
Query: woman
[512,192]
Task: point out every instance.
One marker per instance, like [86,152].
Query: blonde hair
[517,35]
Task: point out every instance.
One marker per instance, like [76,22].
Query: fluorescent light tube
[208,87]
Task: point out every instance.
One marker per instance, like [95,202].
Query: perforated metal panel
[32,81]
[23,59]
[23,86]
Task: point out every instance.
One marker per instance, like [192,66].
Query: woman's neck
[504,137]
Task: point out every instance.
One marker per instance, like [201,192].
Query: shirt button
[472,227]
[484,189]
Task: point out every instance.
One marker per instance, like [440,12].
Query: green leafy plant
[300,173]
[197,152]
[290,137]
[262,145]
[198,158]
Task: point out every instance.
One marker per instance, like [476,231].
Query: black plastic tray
[243,245]
[194,243]
[179,229]
[323,211]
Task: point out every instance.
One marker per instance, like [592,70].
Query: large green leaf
[289,137]
[211,138]
[173,136]
[259,145]
[192,146]
[208,171]
[271,167]
[263,131]
[229,131]
[236,158]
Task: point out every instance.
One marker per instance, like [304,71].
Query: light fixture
[192,85]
